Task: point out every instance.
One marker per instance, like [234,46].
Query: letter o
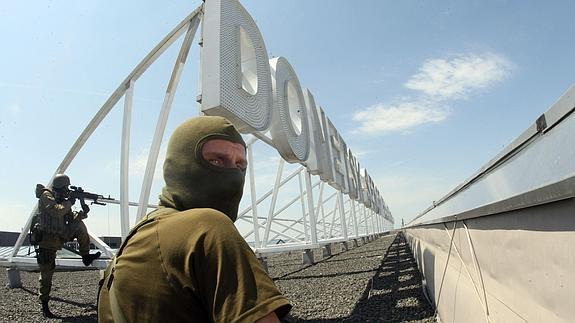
[289,127]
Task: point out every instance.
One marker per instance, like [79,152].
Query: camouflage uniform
[58,224]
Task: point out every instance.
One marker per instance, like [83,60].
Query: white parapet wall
[501,246]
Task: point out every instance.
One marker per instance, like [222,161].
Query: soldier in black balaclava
[186,261]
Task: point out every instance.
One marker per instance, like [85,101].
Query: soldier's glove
[72,200]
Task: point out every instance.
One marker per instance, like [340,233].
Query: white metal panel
[540,157]
[548,159]
[514,267]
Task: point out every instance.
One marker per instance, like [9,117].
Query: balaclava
[191,181]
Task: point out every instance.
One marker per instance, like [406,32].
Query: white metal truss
[332,217]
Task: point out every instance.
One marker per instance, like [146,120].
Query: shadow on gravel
[86,306]
[394,293]
[29,291]
[286,275]
[327,275]
[80,318]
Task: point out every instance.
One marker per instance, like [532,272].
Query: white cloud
[458,76]
[383,118]
[438,82]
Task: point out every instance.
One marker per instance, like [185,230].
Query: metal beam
[163,118]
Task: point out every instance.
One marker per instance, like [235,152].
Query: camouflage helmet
[60,181]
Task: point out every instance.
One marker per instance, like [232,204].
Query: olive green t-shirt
[190,266]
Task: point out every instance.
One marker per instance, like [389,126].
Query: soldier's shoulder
[201,217]
[186,228]
[41,190]
[46,193]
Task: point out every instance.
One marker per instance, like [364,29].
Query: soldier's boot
[46,310]
[87,259]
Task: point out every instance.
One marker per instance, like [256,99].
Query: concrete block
[307,257]
[326,251]
[14,280]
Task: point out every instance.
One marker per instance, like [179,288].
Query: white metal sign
[257,96]
[262,97]
[235,73]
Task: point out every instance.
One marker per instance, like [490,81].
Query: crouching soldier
[57,224]
[186,261]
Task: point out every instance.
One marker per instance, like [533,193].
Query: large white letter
[317,161]
[360,184]
[326,156]
[289,128]
[367,189]
[236,81]
[337,148]
[352,175]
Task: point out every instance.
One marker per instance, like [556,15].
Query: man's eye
[215,162]
[241,166]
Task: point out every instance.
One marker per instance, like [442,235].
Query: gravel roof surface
[377,282]
[73,298]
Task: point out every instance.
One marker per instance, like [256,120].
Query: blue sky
[423,92]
